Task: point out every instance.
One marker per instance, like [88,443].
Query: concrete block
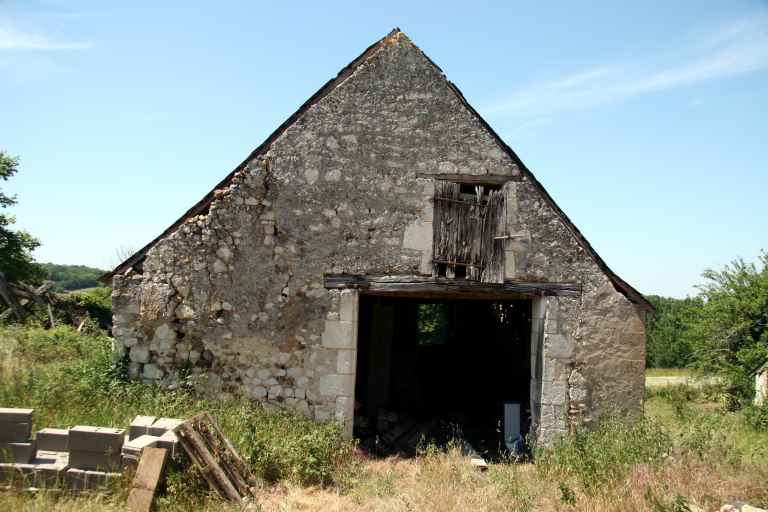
[96,439]
[52,439]
[95,461]
[17,452]
[50,468]
[51,457]
[170,442]
[16,474]
[340,334]
[163,425]
[99,479]
[9,415]
[140,426]
[131,452]
[135,446]
[13,432]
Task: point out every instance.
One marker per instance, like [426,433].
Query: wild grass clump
[284,445]
[599,458]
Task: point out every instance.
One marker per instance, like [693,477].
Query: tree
[16,247]
[729,334]
[666,343]
[72,277]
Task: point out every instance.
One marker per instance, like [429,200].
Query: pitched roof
[202,206]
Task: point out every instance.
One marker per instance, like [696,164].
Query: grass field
[688,450]
[667,372]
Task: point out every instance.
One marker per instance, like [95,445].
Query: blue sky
[646,121]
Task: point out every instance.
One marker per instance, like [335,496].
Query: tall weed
[601,457]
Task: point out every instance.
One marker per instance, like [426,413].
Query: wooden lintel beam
[425,285]
[473,179]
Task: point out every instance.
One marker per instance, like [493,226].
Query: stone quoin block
[340,334]
[337,385]
[345,361]
[348,306]
[53,439]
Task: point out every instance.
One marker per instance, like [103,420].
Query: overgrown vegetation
[69,379]
[723,331]
[689,449]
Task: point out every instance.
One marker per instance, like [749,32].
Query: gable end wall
[236,294]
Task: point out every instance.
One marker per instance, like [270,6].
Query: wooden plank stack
[220,464]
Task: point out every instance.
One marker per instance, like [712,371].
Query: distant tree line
[71,277]
[722,330]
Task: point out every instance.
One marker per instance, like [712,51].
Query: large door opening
[440,369]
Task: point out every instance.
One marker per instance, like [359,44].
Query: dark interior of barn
[436,370]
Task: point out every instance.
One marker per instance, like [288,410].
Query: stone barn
[384,255]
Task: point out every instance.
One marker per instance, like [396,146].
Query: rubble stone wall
[233,299]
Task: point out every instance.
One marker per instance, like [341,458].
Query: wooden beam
[147,479]
[441,287]
[471,179]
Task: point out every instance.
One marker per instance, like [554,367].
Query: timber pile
[21,299]
[466,233]
[218,461]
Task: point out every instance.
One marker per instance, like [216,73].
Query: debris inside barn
[386,261]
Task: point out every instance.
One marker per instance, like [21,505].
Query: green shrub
[598,458]
[98,303]
[63,343]
[757,417]
[284,445]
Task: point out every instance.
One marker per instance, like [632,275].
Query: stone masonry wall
[233,299]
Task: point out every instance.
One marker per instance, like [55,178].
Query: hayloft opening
[439,369]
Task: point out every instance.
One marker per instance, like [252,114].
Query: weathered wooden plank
[432,285]
[147,479]
[482,179]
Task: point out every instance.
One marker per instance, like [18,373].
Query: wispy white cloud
[737,48]
[13,38]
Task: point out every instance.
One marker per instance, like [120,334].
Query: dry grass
[447,482]
[667,372]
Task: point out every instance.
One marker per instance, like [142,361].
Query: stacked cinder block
[148,431]
[15,430]
[95,448]
[94,456]
[50,468]
[52,439]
